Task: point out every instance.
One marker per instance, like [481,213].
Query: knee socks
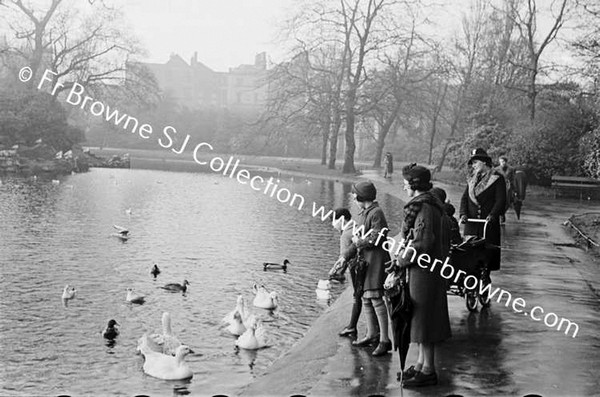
[382,319]
[370,317]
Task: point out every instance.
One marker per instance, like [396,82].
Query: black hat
[481,155]
[365,191]
[418,177]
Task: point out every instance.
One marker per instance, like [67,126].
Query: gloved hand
[463,219]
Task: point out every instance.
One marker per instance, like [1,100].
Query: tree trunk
[532,92]
[333,139]
[325,139]
[432,138]
[350,144]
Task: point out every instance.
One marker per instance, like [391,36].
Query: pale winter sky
[226,33]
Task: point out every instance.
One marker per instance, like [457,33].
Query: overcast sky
[226,33]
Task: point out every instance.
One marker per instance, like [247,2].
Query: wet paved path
[493,352]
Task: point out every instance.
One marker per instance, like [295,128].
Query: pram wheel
[471,300]
[484,298]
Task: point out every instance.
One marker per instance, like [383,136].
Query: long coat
[480,200]
[509,178]
[430,322]
[373,220]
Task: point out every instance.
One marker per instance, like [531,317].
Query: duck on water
[175,287]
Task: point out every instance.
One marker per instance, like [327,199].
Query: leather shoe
[347,331]
[366,341]
[382,348]
[420,380]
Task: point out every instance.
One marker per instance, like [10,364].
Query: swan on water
[165,366]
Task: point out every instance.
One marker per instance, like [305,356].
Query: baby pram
[472,256]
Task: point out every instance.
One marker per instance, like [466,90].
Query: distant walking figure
[389,165]
[508,173]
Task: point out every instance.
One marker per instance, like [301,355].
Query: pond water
[210,230]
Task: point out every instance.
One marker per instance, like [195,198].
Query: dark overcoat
[373,220]
[479,200]
[430,322]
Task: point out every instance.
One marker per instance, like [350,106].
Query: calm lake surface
[208,229]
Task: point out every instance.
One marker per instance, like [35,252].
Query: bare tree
[83,44]
[461,70]
[526,19]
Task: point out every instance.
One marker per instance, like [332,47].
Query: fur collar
[477,187]
[413,207]
[428,198]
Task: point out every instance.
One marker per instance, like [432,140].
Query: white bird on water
[167,341]
[123,233]
[239,318]
[68,292]
[133,297]
[254,338]
[165,366]
[264,299]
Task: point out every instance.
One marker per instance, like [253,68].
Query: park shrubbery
[26,117]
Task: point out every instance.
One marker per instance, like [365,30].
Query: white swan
[241,308]
[133,297]
[254,338]
[264,299]
[236,326]
[163,366]
[167,341]
[68,292]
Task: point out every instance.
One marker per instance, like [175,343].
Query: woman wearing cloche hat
[484,198]
[373,220]
[423,227]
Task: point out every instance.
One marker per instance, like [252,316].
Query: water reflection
[215,235]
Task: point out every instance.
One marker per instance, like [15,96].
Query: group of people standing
[430,228]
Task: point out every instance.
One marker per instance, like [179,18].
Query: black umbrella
[400,312]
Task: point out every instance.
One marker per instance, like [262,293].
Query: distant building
[195,85]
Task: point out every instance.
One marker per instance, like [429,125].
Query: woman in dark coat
[423,230]
[484,198]
[373,220]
